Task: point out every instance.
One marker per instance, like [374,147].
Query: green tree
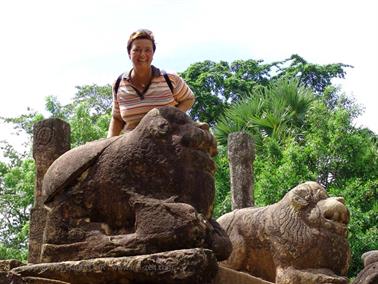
[16,197]
[317,77]
[275,111]
[218,85]
[222,183]
[361,198]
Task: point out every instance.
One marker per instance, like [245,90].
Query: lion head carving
[307,229]
[149,190]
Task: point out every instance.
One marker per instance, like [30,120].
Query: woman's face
[141,53]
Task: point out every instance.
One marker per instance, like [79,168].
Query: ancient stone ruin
[134,194]
[241,154]
[301,239]
[369,274]
[51,139]
[137,208]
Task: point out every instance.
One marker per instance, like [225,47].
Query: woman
[144,87]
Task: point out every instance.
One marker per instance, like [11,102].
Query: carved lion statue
[300,239]
[146,191]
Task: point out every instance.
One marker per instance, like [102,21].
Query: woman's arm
[115,127]
[182,93]
[186,104]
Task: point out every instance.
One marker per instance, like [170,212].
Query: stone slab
[229,276]
[180,266]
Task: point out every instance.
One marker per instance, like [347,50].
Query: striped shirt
[129,107]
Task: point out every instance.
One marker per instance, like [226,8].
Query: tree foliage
[218,85]
[16,196]
[276,111]
[317,77]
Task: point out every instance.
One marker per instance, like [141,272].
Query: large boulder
[300,239]
[144,192]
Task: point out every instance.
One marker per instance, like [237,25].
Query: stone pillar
[241,154]
[51,138]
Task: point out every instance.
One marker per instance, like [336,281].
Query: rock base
[229,276]
[180,266]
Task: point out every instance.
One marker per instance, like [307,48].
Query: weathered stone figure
[147,191]
[369,274]
[301,239]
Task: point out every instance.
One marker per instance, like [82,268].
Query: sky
[48,47]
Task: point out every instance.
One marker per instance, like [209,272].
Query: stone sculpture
[369,274]
[148,191]
[51,139]
[300,239]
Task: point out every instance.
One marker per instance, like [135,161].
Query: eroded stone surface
[8,264]
[368,275]
[51,138]
[370,257]
[39,280]
[309,276]
[241,154]
[229,276]
[181,266]
[147,191]
[301,239]
[70,166]
[5,267]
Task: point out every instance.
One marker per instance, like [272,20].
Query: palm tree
[276,111]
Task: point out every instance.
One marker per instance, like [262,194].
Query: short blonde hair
[141,34]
